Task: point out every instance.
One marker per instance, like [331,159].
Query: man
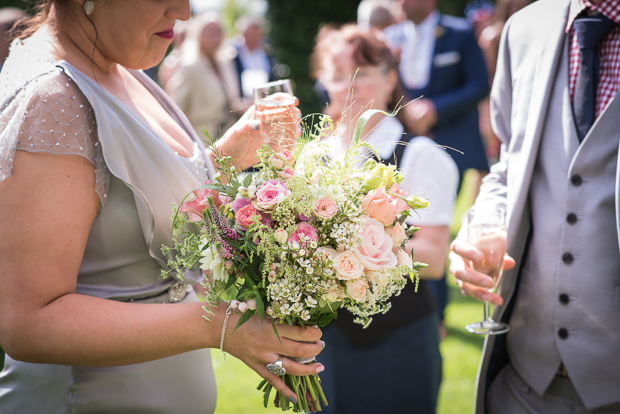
[555,106]
[442,68]
[254,64]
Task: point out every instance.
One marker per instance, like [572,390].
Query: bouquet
[299,240]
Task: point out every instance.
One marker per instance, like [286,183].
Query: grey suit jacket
[530,52]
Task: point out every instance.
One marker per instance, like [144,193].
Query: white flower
[214,263]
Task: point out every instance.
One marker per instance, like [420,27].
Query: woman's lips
[166,34]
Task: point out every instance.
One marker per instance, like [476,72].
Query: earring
[89,7]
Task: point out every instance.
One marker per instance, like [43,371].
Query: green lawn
[236,383]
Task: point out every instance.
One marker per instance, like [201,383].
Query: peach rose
[245,216]
[375,252]
[403,258]
[324,207]
[348,266]
[396,233]
[269,195]
[383,206]
[356,289]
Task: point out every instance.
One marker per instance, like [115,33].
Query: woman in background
[395,362]
[205,85]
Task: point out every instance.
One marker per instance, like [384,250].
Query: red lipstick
[166,34]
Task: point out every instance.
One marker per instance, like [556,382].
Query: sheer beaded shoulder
[49,113]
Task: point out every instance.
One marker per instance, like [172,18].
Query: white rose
[276,162]
[326,253]
[397,234]
[281,236]
[334,293]
[356,289]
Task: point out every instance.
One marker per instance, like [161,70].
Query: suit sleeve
[465,98]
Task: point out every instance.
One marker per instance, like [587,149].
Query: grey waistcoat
[568,303]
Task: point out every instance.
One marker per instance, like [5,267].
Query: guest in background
[8,17]
[378,14]
[254,60]
[173,61]
[395,362]
[442,65]
[205,86]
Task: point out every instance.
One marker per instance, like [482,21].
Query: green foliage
[294,26]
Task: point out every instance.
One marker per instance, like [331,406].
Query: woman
[92,157]
[395,362]
[205,85]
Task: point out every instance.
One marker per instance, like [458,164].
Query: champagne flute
[270,99]
[486,230]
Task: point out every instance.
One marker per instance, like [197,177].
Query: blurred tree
[22,4]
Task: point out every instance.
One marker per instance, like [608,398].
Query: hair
[195,26]
[369,47]
[244,22]
[39,12]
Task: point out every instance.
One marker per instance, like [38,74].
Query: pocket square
[446,59]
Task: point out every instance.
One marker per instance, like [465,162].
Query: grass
[236,383]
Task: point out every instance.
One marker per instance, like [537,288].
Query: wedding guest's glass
[486,230]
[271,96]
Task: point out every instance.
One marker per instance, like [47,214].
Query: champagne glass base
[488,327]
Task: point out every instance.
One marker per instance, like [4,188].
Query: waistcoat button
[567,258]
[571,218]
[576,180]
[563,333]
[564,299]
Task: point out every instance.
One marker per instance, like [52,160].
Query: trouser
[510,394]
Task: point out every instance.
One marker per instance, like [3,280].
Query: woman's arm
[48,206]
[430,246]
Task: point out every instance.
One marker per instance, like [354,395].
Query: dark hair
[40,11]
[369,47]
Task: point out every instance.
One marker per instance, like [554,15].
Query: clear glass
[486,230]
[264,94]
[272,99]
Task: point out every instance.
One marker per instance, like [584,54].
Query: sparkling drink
[491,240]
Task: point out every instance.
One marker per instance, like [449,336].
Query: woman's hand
[278,127]
[257,345]
[471,282]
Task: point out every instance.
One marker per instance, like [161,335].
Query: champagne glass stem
[487,314]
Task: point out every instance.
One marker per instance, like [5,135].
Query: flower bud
[271,277]
[251,304]
[415,201]
[281,236]
[234,304]
[243,306]
[229,264]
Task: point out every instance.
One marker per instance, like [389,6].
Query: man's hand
[420,116]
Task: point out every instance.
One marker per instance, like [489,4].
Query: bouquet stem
[308,389]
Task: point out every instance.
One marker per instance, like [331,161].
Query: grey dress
[46,105]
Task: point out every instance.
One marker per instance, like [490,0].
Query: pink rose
[286,173]
[324,207]
[383,206]
[195,207]
[269,195]
[396,233]
[245,216]
[326,253]
[348,267]
[306,231]
[403,258]
[276,162]
[288,157]
[375,252]
[356,289]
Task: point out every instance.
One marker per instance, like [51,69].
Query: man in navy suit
[440,61]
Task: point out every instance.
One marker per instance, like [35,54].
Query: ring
[277,368]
